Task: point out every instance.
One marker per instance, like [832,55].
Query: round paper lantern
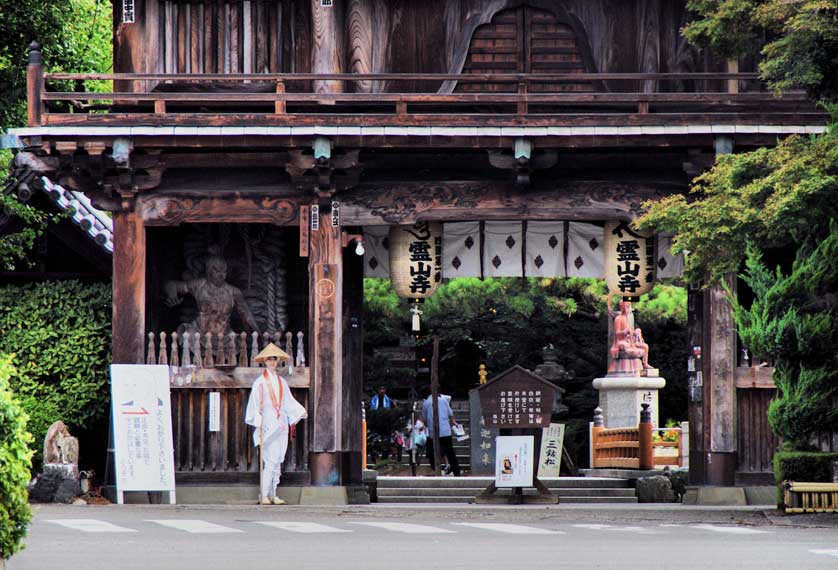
[629,260]
[416,259]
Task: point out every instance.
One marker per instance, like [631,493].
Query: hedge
[15,463]
[60,334]
[808,466]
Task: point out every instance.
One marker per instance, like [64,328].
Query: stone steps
[464,489]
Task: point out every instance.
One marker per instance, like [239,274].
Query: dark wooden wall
[385,35]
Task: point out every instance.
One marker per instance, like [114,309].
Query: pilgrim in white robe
[272,425]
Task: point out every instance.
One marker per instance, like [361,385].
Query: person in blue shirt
[381,400]
[446,420]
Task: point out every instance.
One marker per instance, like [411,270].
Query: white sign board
[550,459]
[514,460]
[142,427]
[214,411]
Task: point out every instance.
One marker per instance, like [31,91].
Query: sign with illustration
[514,460]
[142,426]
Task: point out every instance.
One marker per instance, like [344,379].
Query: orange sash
[276,404]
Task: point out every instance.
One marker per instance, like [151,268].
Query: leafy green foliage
[15,461]
[793,320]
[75,36]
[808,466]
[60,335]
[796,41]
[773,196]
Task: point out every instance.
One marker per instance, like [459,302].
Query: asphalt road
[376,537]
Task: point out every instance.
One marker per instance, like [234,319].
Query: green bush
[808,466]
[15,462]
[60,335]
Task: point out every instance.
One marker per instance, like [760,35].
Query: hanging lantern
[416,263]
[629,260]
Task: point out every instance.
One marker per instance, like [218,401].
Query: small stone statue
[629,353]
[60,480]
[56,435]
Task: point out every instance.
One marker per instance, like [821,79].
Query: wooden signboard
[517,399]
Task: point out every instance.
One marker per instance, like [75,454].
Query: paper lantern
[629,260]
[416,262]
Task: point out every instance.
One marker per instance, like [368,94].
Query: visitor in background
[381,400]
[446,420]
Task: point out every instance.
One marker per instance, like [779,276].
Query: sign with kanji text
[515,399]
[416,259]
[629,260]
[550,459]
[142,427]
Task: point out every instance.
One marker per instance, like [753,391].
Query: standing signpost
[142,427]
[519,404]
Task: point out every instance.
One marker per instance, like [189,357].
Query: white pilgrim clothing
[271,409]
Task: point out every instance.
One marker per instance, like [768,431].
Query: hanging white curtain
[545,249]
[376,256]
[585,252]
[503,249]
[461,250]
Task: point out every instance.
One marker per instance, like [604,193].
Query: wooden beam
[754,377]
[129,288]
[157,210]
[409,202]
[328,46]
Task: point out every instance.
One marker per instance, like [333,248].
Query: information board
[514,460]
[142,428]
[550,459]
[517,399]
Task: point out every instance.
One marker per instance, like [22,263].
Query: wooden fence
[632,448]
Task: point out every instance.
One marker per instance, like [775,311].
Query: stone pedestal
[620,399]
[59,483]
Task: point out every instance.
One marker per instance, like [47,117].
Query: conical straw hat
[271,350]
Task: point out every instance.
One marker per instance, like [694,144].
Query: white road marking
[729,529]
[826,551]
[91,525]
[407,528]
[303,527]
[511,528]
[608,527]
[196,526]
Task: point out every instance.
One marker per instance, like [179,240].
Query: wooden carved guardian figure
[216,299]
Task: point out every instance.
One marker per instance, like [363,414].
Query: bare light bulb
[359,249]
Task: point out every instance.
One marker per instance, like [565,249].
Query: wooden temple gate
[317,119]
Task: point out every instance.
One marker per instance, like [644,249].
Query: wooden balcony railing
[291,99]
[633,448]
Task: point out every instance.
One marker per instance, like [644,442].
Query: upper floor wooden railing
[294,99]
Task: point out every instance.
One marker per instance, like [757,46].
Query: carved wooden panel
[527,40]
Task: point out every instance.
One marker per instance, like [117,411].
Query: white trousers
[273,454]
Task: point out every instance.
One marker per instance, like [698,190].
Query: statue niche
[248,282]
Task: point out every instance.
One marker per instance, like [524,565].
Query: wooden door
[527,40]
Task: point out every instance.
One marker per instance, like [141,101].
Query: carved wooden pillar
[326,351]
[719,386]
[353,363]
[129,269]
[328,44]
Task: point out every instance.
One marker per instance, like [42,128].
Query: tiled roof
[94,222]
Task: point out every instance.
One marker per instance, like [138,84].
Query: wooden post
[435,404]
[129,267]
[363,437]
[34,85]
[646,451]
[326,354]
[596,430]
[279,106]
[732,84]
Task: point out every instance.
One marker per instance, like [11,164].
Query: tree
[796,42]
[15,458]
[775,197]
[75,35]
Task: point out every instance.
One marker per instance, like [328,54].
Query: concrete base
[731,496]
[620,399]
[249,495]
